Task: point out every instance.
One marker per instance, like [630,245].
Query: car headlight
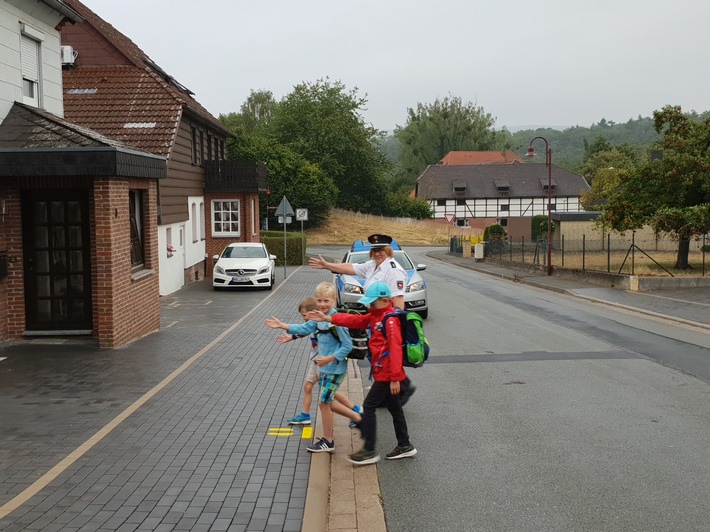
[219,270]
[414,287]
[353,288]
[263,270]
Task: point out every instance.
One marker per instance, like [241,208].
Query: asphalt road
[541,411]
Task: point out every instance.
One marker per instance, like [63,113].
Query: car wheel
[424,313]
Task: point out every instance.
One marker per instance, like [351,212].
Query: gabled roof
[131,99]
[525,180]
[480,157]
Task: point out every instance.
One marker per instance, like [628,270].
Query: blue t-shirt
[327,343]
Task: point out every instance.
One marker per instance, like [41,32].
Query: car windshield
[399,256]
[244,252]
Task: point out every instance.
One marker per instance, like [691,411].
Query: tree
[672,193]
[302,182]
[604,171]
[254,115]
[433,130]
[323,122]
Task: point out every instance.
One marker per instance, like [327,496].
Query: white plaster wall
[189,252]
[44,19]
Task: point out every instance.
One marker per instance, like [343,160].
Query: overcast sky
[555,63]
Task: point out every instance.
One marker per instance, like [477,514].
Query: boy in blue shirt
[312,374]
[331,361]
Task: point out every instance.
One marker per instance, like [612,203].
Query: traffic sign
[301,215]
[284,208]
[450,218]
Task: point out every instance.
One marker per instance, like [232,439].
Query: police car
[350,288]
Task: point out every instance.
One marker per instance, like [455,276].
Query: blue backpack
[415,346]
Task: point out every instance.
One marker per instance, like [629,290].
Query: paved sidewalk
[182,430]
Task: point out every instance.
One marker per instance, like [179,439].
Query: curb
[341,496]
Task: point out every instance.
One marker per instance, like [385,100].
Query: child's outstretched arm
[317,315]
[274,323]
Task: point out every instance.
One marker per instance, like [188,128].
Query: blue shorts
[329,384]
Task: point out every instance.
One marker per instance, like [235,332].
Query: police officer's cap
[379,241]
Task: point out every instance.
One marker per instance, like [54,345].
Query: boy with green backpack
[387,371]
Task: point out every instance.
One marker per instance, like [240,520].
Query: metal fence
[613,254]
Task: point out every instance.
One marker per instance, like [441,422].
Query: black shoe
[406,394]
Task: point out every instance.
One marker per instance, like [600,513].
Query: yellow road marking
[80,451]
[280,431]
[307,433]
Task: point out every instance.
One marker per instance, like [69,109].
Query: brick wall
[126,303]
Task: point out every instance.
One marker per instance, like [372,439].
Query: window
[29,52]
[441,202]
[253,217]
[210,156]
[504,222]
[202,147]
[460,202]
[504,207]
[194,222]
[202,221]
[135,199]
[193,132]
[225,218]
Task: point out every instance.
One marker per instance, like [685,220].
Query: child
[387,371]
[331,361]
[312,374]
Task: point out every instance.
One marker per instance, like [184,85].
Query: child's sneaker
[358,409]
[321,446]
[363,457]
[300,419]
[401,452]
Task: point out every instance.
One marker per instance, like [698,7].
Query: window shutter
[29,52]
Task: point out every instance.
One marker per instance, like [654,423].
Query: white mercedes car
[244,265]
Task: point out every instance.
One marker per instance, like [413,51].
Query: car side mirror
[421,267]
[272,257]
[215,257]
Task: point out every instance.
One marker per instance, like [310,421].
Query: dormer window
[459,187]
[543,183]
[502,184]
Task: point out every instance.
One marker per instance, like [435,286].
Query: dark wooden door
[57,259]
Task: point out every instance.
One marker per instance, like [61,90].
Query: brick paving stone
[197,454]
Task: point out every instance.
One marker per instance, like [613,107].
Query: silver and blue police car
[350,287]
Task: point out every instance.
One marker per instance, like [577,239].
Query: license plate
[240,279]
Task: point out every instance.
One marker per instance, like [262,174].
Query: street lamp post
[548,163]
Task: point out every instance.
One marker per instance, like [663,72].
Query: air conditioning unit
[68,55]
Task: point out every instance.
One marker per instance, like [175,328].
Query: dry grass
[344,227]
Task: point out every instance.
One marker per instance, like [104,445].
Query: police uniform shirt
[389,272]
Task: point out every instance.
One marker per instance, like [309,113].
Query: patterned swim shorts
[329,384]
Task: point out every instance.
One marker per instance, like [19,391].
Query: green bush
[274,241]
[494,232]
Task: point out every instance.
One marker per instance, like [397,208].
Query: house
[78,210]
[508,194]
[205,201]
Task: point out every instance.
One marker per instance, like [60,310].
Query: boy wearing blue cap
[387,371]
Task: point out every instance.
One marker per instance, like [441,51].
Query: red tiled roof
[125,103]
[480,157]
[134,100]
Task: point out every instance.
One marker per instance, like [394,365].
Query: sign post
[302,216]
[450,220]
[285,212]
